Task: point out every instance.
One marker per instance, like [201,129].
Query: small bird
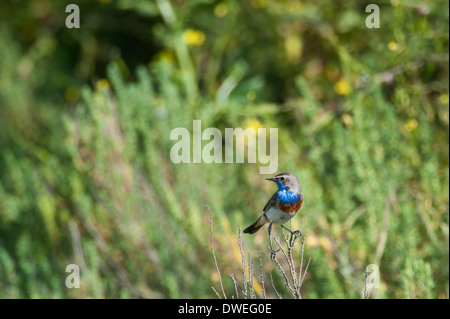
[282,206]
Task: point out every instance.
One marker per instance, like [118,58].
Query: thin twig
[293,280]
[281,270]
[261,276]
[273,286]
[214,255]
[365,292]
[296,279]
[388,75]
[236,285]
[216,292]
[243,260]
[306,270]
[286,280]
[250,276]
[301,267]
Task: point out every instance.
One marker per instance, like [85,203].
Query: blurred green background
[86,115]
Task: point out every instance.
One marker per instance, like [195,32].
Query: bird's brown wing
[253,228]
[271,202]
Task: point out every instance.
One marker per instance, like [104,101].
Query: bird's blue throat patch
[287,197]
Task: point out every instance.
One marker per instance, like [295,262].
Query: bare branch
[214,255]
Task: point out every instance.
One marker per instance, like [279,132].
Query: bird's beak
[273,179]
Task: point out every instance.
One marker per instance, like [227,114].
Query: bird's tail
[253,228]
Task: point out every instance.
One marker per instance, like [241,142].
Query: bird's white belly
[277,216]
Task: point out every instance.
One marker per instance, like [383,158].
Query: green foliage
[86,175]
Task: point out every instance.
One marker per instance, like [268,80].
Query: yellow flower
[193,37]
[443,98]
[221,10]
[102,85]
[165,55]
[393,46]
[253,123]
[294,47]
[411,125]
[342,87]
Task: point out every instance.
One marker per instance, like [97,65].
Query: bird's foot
[273,253]
[295,236]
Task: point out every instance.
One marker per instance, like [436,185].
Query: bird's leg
[295,234]
[272,252]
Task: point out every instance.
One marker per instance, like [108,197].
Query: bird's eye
[282,178]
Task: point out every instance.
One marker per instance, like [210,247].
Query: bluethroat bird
[281,207]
